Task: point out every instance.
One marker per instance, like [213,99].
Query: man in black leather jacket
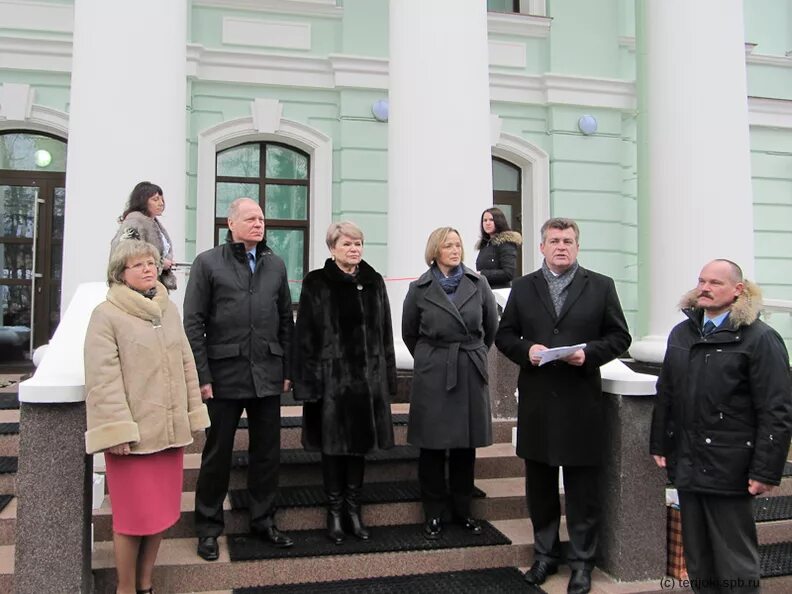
[721,424]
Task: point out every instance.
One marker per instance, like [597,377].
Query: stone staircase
[397,547]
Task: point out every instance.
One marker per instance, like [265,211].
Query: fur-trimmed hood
[501,238]
[744,312]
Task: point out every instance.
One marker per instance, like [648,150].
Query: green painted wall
[584,38]
[771,168]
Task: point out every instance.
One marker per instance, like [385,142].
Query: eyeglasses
[141,265]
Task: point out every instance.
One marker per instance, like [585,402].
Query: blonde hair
[124,251]
[436,239]
[336,230]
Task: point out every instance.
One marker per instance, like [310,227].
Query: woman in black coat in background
[498,247]
[344,371]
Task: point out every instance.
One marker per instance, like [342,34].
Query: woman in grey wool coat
[448,324]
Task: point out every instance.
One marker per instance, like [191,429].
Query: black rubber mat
[299,456]
[9,401]
[501,580]
[9,428]
[770,509]
[775,559]
[313,495]
[8,464]
[409,537]
[291,422]
[5,500]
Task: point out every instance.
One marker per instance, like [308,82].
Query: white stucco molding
[267,115]
[311,8]
[41,119]
[769,113]
[16,100]
[561,89]
[227,134]
[507,54]
[359,72]
[535,166]
[518,25]
[251,67]
[266,33]
[766,60]
[595,92]
[29,15]
[23,53]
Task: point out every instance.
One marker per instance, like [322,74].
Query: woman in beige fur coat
[142,403]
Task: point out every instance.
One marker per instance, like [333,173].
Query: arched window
[277,176]
[32,204]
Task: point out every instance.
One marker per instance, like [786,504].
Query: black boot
[356,466]
[333,474]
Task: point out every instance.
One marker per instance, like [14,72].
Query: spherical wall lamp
[380,110]
[587,124]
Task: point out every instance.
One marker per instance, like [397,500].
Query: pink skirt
[145,491]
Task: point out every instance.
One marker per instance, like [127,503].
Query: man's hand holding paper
[567,353]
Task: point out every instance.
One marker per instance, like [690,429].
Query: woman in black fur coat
[344,370]
[498,247]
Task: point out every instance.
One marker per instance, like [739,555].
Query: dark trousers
[581,502]
[263,415]
[719,536]
[432,477]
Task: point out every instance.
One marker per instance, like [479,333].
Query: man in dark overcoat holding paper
[561,409]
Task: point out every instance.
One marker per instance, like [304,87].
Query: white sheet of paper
[558,353]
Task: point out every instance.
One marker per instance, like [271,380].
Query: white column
[439,162]
[127,124]
[698,160]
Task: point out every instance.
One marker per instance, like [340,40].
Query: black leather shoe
[471,525]
[433,528]
[208,548]
[539,572]
[274,536]
[579,581]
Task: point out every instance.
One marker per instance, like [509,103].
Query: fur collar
[366,275]
[501,238]
[136,305]
[744,312]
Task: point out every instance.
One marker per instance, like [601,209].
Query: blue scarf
[450,282]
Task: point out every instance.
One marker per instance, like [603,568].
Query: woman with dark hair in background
[498,246]
[344,370]
[448,324]
[139,221]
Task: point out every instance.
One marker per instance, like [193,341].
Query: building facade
[640,119]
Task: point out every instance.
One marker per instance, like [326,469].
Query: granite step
[504,500]
[181,570]
[291,419]
[301,468]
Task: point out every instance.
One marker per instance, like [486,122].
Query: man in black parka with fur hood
[721,424]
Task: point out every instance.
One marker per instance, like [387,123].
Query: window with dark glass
[277,177]
[503,6]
